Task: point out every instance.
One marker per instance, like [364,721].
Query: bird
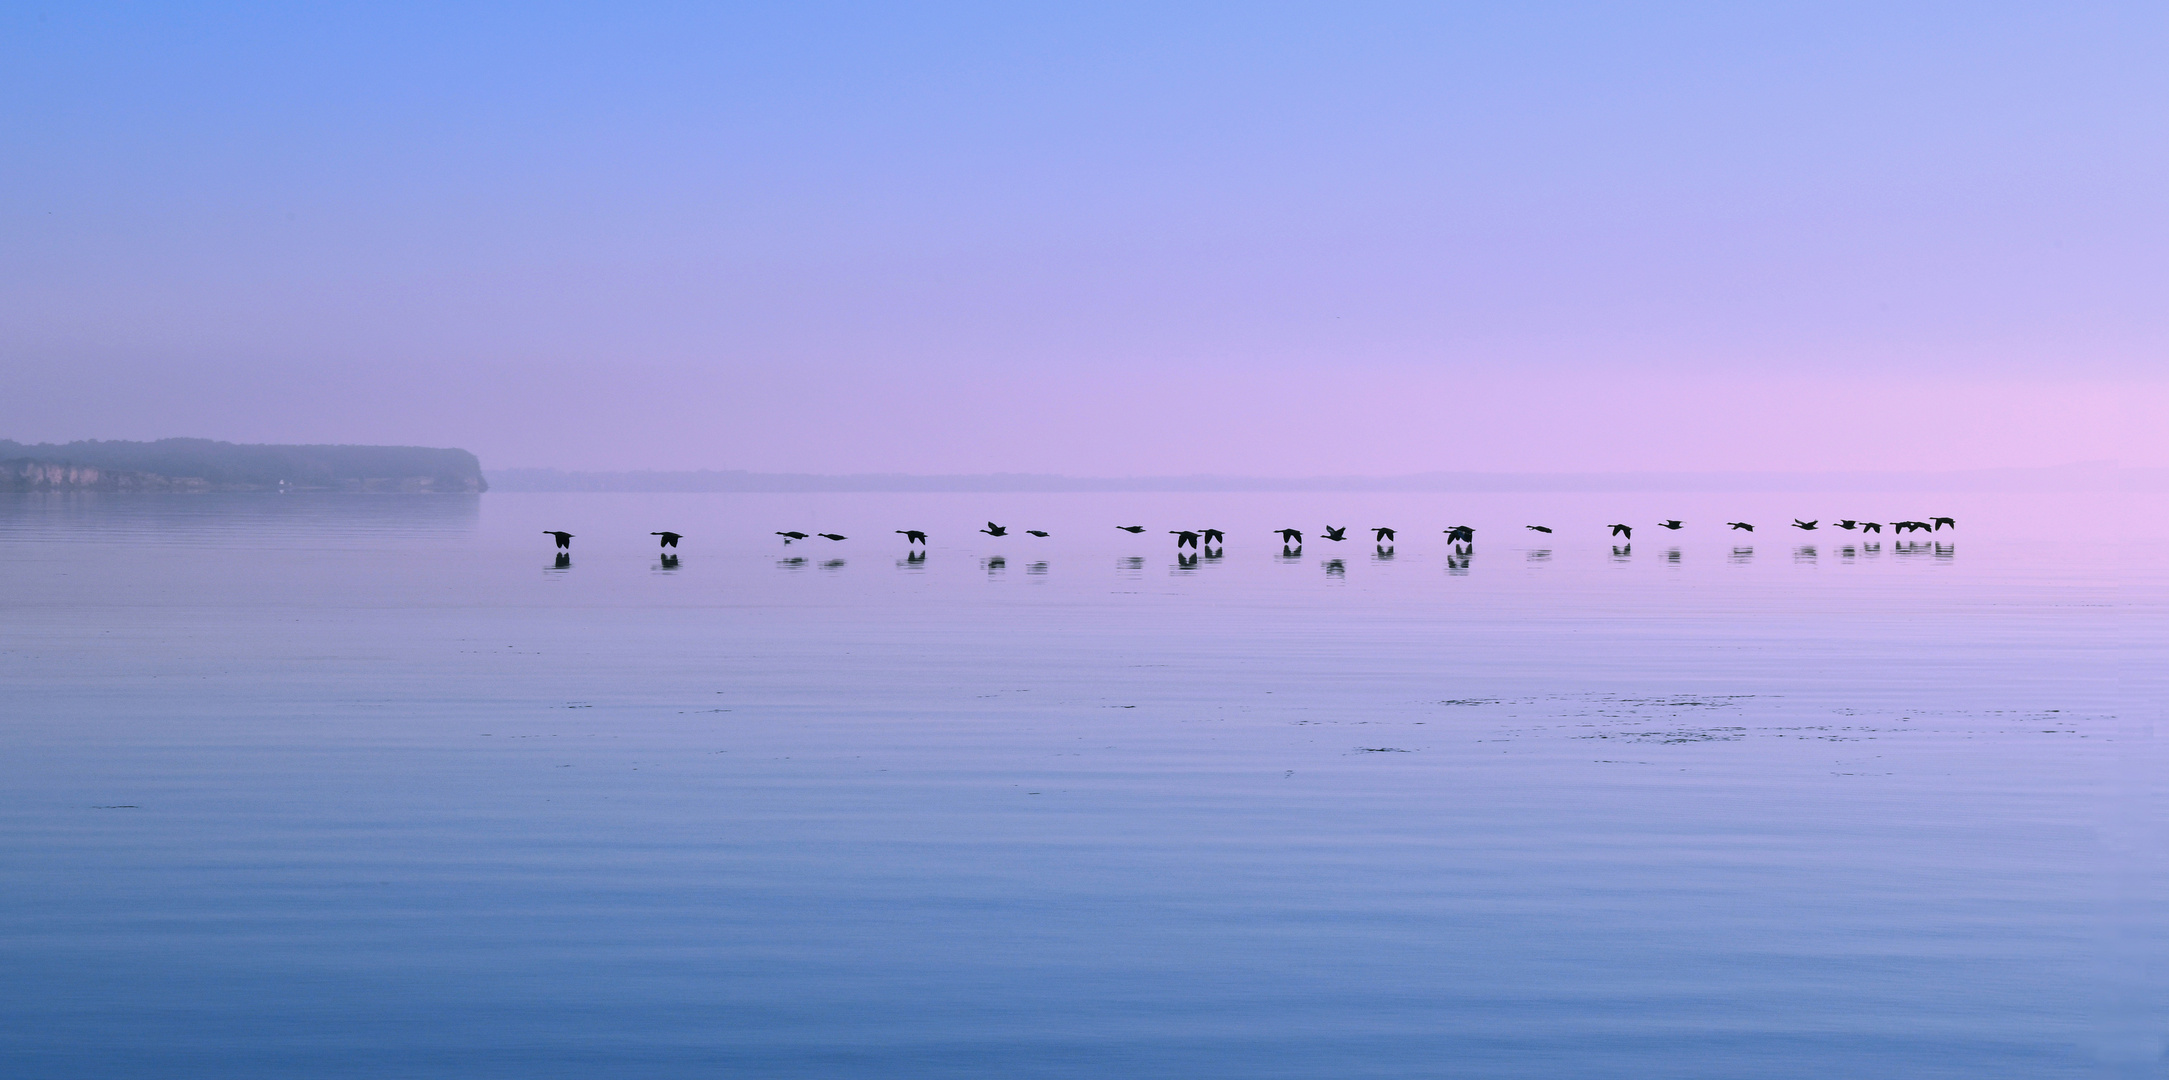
[1940,522]
[1799,524]
[1740,526]
[564,539]
[1213,536]
[995,530]
[1290,536]
[912,536]
[1871,526]
[1383,534]
[1133,530]
[1623,530]
[1036,532]
[1538,528]
[1675,524]
[790,536]
[1461,534]
[1848,524]
[1332,533]
[832,536]
[670,539]
[1183,536]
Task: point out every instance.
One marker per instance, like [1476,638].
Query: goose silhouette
[1871,526]
[564,539]
[912,536]
[1183,536]
[1381,534]
[832,536]
[1290,536]
[1940,522]
[1133,530]
[1461,534]
[670,539]
[1213,536]
[790,536]
[1740,526]
[1675,524]
[995,530]
[1623,530]
[1538,528]
[1799,524]
[1037,532]
[1848,524]
[1332,533]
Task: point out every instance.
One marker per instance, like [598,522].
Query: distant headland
[187,465]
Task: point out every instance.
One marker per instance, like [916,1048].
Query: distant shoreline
[203,465]
[2068,478]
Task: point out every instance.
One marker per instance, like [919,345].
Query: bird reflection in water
[1335,568]
[914,560]
[1539,555]
[1742,555]
[1871,550]
[832,564]
[1039,567]
[1215,554]
[1185,562]
[666,563]
[1457,560]
[1291,552]
[1922,549]
[1804,553]
[1383,554]
[1671,555]
[1848,553]
[994,564]
[1622,552]
[795,562]
[564,561]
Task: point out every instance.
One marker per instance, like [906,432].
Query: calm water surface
[374,787]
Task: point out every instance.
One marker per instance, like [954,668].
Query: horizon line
[2074,476]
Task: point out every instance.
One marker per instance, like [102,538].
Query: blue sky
[1089,239]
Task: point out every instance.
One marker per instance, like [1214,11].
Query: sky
[1095,239]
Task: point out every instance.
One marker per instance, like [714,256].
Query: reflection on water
[1672,556]
[832,564]
[563,561]
[666,563]
[1291,553]
[1384,553]
[1622,553]
[1805,553]
[306,799]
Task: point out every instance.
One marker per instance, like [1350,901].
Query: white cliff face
[60,476]
[29,475]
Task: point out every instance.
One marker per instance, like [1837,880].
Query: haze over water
[351,786]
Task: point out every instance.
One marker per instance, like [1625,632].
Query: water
[372,787]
